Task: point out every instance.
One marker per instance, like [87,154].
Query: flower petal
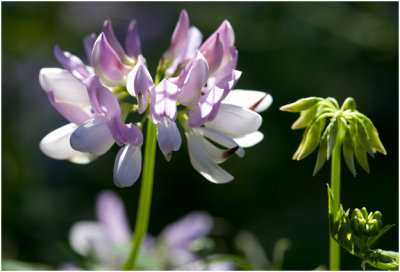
[112,216]
[192,44]
[138,84]
[112,40]
[235,121]
[226,72]
[84,236]
[208,104]
[71,63]
[252,100]
[194,226]
[107,64]
[168,137]
[64,86]
[56,145]
[128,165]
[250,139]
[164,98]
[227,36]
[179,36]
[88,42]
[224,140]
[214,53]
[93,137]
[192,80]
[203,163]
[102,99]
[132,41]
[125,133]
[71,112]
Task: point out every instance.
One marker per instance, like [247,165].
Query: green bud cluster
[366,224]
[347,127]
[357,231]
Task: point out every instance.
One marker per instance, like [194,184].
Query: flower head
[193,88]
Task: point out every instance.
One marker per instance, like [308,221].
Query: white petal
[224,140]
[127,166]
[254,100]
[84,235]
[203,163]
[56,145]
[66,88]
[250,139]
[235,121]
[93,137]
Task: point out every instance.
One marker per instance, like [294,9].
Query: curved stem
[334,247]
[143,215]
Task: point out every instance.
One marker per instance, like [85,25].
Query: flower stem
[334,247]
[143,214]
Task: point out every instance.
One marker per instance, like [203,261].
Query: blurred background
[291,50]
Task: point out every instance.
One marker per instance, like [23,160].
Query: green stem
[334,247]
[143,215]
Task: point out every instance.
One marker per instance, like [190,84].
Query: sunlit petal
[93,137]
[56,145]
[127,167]
[252,100]
[235,121]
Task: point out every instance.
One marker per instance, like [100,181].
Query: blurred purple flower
[108,238]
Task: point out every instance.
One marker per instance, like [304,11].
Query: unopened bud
[301,105]
[349,104]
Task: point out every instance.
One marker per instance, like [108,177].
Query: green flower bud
[348,152]
[322,153]
[311,139]
[301,105]
[362,136]
[377,215]
[347,127]
[349,104]
[305,117]
[359,148]
[332,135]
[333,101]
[373,136]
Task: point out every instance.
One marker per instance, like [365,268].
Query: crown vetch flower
[99,133]
[139,83]
[199,78]
[163,112]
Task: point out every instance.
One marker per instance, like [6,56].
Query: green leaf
[348,152]
[301,105]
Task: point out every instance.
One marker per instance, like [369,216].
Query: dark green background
[292,50]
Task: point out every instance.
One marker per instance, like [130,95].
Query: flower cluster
[357,232]
[347,127]
[198,77]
